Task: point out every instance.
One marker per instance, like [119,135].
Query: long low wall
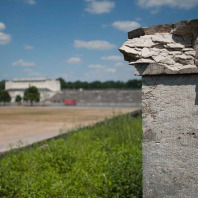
[100,97]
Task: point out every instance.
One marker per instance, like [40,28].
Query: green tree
[2,85]
[32,94]
[134,84]
[62,82]
[4,96]
[18,98]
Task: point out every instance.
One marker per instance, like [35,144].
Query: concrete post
[166,56]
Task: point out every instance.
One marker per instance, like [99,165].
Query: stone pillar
[166,56]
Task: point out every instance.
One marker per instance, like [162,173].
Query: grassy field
[32,124]
[100,161]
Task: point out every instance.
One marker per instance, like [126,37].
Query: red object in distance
[70,102]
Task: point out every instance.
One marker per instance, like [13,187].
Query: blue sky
[77,39]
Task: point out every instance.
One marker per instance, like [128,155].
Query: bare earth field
[33,124]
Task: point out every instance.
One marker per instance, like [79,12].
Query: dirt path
[33,124]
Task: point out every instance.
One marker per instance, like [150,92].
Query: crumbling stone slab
[150,30]
[173,45]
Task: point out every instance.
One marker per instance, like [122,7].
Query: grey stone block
[170,136]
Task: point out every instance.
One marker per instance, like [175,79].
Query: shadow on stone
[196,99]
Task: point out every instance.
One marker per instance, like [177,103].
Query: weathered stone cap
[163,49]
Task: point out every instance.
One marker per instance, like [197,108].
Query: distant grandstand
[100,97]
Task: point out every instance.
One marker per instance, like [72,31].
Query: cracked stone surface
[170,136]
[172,46]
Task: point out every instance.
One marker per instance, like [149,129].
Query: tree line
[130,84]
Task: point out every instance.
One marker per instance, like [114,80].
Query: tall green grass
[100,161]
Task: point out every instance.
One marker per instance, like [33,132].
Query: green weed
[100,161]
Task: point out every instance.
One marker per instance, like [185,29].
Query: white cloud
[104,69]
[2,26]
[94,45]
[28,47]
[74,60]
[27,70]
[110,70]
[22,63]
[99,7]
[155,11]
[120,64]
[138,19]
[4,38]
[184,4]
[102,74]
[97,66]
[112,58]
[30,72]
[30,2]
[126,26]
[105,25]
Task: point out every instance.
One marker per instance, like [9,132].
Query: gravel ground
[34,124]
